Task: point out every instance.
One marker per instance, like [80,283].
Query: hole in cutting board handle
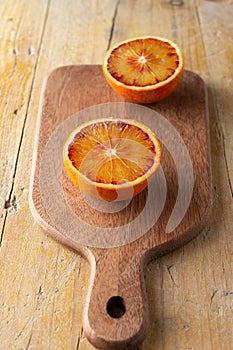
[116,307]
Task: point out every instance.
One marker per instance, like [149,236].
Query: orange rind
[111,158]
[144,69]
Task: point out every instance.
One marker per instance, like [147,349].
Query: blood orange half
[111,158]
[144,69]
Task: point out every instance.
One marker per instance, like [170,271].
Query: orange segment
[109,156]
[144,69]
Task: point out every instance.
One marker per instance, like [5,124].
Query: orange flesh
[143,62]
[112,152]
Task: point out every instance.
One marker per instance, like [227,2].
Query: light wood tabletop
[43,285]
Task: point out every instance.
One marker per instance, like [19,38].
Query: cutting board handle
[115,313]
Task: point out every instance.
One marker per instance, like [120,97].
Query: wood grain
[71,89]
[43,284]
[19,52]
[34,291]
[217,36]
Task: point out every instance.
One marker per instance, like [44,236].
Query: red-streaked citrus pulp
[144,69]
[111,158]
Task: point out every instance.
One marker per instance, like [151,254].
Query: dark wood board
[118,239]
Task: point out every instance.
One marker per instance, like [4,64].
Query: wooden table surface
[43,285]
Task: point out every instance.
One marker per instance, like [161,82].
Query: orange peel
[144,69]
[111,158]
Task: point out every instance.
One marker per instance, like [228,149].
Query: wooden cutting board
[118,239]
